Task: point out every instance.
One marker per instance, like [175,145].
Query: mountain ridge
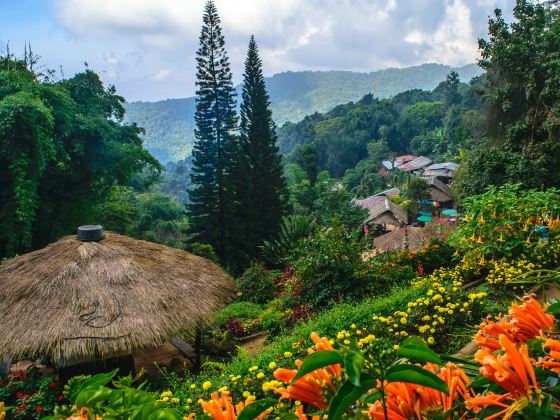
[169,123]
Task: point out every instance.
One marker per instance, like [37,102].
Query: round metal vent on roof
[90,233]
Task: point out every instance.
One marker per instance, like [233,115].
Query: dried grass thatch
[85,300]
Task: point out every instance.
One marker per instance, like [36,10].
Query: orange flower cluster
[409,401]
[514,372]
[552,359]
[313,387]
[523,322]
[221,407]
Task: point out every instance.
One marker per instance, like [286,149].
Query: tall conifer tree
[261,189]
[212,204]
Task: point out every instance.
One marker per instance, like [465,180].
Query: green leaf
[289,416]
[347,395]
[419,353]
[554,309]
[372,397]
[318,360]
[252,411]
[354,362]
[95,381]
[416,375]
[164,414]
[457,361]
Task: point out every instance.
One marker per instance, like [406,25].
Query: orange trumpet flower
[409,401]
[313,387]
[524,322]
[221,407]
[513,372]
[552,359]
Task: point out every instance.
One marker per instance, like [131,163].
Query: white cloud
[453,42]
[162,75]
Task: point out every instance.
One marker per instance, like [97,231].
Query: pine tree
[261,189]
[212,205]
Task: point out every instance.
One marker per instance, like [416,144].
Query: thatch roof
[84,300]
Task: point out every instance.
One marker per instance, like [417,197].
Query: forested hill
[169,124]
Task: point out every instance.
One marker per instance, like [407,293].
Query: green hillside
[169,124]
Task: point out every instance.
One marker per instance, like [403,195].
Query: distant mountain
[169,124]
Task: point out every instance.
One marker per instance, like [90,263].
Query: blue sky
[147,47]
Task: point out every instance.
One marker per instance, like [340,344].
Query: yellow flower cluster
[430,314]
[504,271]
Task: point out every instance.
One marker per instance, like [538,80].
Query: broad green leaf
[554,308]
[419,353]
[252,411]
[164,414]
[416,375]
[354,362]
[318,360]
[458,361]
[289,416]
[95,381]
[347,395]
[372,397]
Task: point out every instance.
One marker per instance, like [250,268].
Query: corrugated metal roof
[450,166]
[416,164]
[399,160]
[391,192]
[387,164]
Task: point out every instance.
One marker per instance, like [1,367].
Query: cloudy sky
[147,47]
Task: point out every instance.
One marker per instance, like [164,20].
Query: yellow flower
[189,401]
[246,394]
[207,385]
[396,347]
[260,375]
[272,365]
[431,340]
[174,400]
[287,354]
[193,386]
[254,368]
[166,394]
[165,399]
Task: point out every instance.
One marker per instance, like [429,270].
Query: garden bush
[327,267]
[503,222]
[30,395]
[257,284]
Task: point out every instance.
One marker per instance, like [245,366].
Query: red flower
[19,394]
[52,384]
[26,397]
[39,409]
[60,397]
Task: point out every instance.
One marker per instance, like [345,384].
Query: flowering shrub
[434,314]
[505,221]
[257,284]
[327,267]
[30,395]
[504,271]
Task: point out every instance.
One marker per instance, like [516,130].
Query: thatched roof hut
[87,300]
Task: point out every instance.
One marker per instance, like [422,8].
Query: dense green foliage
[169,124]
[63,147]
[522,96]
